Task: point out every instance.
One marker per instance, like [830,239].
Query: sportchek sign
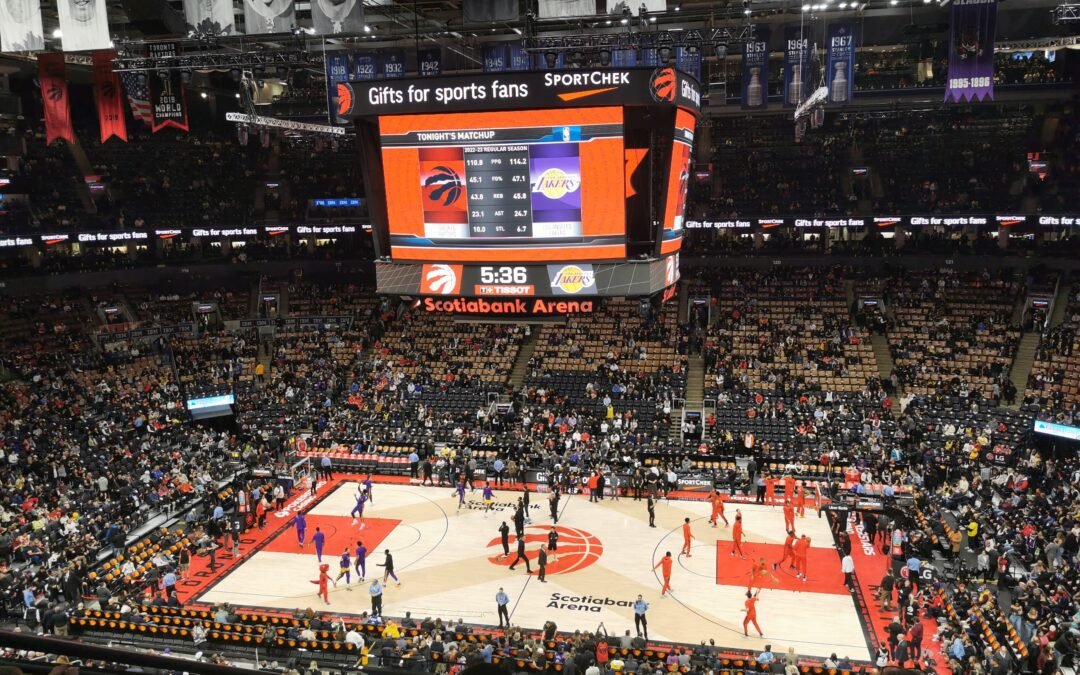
[508,91]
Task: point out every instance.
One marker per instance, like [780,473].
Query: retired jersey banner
[429,62]
[337,71]
[840,62]
[392,63]
[84,25]
[330,17]
[755,72]
[275,16]
[363,67]
[110,101]
[20,26]
[971,51]
[494,58]
[210,17]
[797,51]
[54,96]
[168,104]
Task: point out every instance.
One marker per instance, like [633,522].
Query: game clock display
[504,187]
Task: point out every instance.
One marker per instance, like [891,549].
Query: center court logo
[578,549]
[556,183]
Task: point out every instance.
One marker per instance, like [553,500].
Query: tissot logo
[662,85]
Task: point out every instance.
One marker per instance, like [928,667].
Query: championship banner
[392,63]
[330,17]
[363,67]
[689,61]
[518,57]
[84,25]
[337,71]
[755,72]
[168,104]
[210,17]
[109,98]
[429,62]
[797,51]
[276,16]
[20,26]
[840,62]
[489,11]
[971,51]
[54,97]
[494,58]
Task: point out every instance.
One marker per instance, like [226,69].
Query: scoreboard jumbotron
[526,185]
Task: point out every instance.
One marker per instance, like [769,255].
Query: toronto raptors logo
[344,97]
[577,549]
[662,85]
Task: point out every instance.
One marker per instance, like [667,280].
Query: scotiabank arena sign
[516,307]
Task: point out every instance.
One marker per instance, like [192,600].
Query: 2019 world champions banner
[971,51]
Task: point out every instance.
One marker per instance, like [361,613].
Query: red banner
[110,102]
[54,96]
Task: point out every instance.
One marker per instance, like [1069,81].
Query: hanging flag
[363,67]
[210,17]
[168,104]
[554,9]
[429,62]
[619,7]
[337,71]
[840,62]
[138,96]
[54,96]
[392,63]
[797,51]
[973,24]
[84,25]
[494,57]
[109,102]
[20,26]
[755,72]
[337,16]
[688,60]
[276,16]
[517,57]
[489,11]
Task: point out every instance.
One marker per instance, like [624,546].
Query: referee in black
[652,511]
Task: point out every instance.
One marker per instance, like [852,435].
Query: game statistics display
[505,186]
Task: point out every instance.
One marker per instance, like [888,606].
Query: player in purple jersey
[489,498]
[301,528]
[358,510]
[345,569]
[361,560]
[367,488]
[460,492]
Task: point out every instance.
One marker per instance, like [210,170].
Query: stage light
[551,59]
[203,94]
[57,33]
[185,75]
[806,8]
[283,73]
[665,54]
[720,50]
[237,74]
[624,21]
[367,28]
[605,57]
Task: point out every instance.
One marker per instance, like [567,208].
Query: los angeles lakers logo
[556,183]
[577,549]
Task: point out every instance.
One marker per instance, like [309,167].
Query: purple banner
[971,51]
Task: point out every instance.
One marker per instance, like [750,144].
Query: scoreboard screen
[678,181]
[536,186]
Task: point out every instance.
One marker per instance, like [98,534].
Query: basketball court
[449,565]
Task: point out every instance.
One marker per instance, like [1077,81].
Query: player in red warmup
[789,551]
[737,535]
[323,582]
[789,487]
[789,515]
[665,572]
[751,614]
[758,572]
[686,536]
[717,509]
[800,500]
[770,490]
[801,547]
